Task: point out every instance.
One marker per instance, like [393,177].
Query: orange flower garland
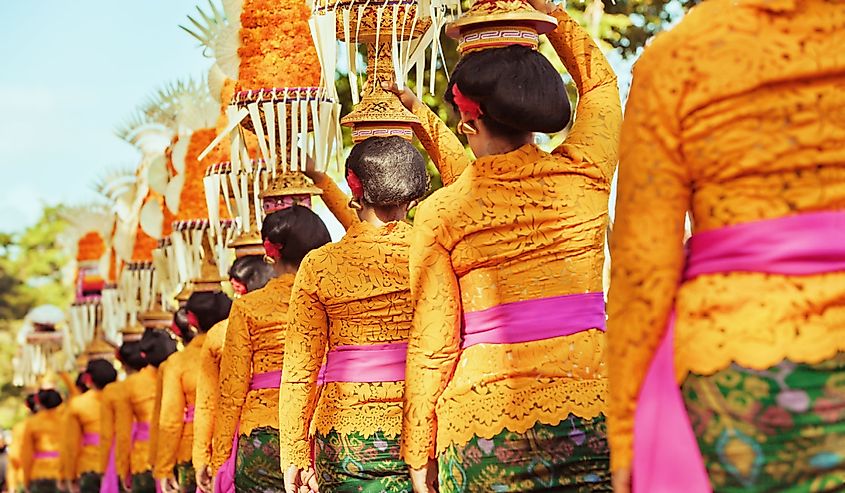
[144,245]
[90,247]
[276,49]
[192,198]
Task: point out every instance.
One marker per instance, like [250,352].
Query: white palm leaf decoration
[217,31]
[83,219]
[118,187]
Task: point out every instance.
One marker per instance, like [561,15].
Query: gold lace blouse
[110,421]
[136,407]
[41,435]
[736,115]
[255,343]
[81,416]
[207,385]
[513,227]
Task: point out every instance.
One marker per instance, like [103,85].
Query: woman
[246,274]
[179,386]
[40,445]
[354,296]
[157,346]
[81,429]
[505,382]
[743,130]
[248,402]
[135,411]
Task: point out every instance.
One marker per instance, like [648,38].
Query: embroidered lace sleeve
[207,385]
[444,148]
[433,345]
[646,243]
[123,418]
[594,136]
[171,420]
[335,199]
[235,377]
[305,346]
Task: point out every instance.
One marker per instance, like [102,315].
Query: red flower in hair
[272,250]
[175,329]
[193,321]
[354,184]
[467,106]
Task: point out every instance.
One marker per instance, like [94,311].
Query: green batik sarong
[572,456]
[43,486]
[186,477]
[347,463]
[780,429]
[89,482]
[143,483]
[257,468]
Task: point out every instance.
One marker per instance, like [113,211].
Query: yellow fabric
[355,292]
[14,469]
[136,406]
[513,227]
[735,125]
[179,387]
[81,416]
[207,385]
[255,342]
[153,458]
[41,435]
[111,420]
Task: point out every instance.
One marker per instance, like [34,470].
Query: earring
[269,260]
[354,204]
[466,128]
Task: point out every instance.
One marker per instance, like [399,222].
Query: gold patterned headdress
[498,23]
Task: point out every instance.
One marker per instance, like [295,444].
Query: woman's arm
[433,345]
[594,136]
[647,243]
[171,421]
[235,377]
[305,346]
[334,198]
[207,385]
[124,417]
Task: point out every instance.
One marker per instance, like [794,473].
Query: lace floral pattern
[513,227]
[735,116]
[255,343]
[207,385]
[178,393]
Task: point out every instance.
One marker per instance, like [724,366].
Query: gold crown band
[496,37]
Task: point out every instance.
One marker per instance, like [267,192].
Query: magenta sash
[47,454]
[366,363]
[666,454]
[534,320]
[110,482]
[189,414]
[224,480]
[90,439]
[140,432]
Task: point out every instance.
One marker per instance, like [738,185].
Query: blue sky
[70,71]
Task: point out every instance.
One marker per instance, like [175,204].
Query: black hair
[252,271]
[298,230]
[209,308]
[31,403]
[391,170]
[101,372]
[49,398]
[156,346]
[80,383]
[180,320]
[130,355]
[518,89]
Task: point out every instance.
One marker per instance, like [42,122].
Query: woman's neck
[503,146]
[379,216]
[282,268]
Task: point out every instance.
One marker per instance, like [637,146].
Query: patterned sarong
[347,463]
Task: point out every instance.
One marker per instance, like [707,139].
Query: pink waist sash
[224,480]
[534,320]
[51,454]
[140,432]
[666,454]
[367,363]
[90,439]
[189,414]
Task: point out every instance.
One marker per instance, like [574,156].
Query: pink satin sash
[90,439]
[366,363]
[224,480]
[189,414]
[110,482]
[666,454]
[48,454]
[140,432]
[534,320]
